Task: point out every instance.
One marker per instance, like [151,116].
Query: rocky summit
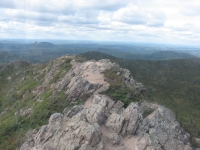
[102,123]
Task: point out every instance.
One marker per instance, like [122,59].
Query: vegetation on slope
[173,83]
[18,81]
[162,55]
[118,90]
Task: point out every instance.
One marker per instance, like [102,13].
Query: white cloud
[85,17]
[191,8]
[6,4]
[132,14]
[134,20]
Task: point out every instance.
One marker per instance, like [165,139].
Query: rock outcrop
[84,78]
[102,123]
[98,127]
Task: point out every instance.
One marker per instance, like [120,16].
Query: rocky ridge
[102,123]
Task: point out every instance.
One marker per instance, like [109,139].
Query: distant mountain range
[40,52]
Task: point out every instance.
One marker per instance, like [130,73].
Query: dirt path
[93,72]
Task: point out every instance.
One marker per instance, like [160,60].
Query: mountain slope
[112,102]
[104,122]
[21,107]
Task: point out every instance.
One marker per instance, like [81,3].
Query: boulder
[164,131]
[132,118]
[115,122]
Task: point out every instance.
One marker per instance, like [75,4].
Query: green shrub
[120,91]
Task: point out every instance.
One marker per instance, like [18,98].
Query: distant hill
[43,45]
[97,55]
[161,55]
[169,55]
[158,56]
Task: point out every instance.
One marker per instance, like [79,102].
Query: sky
[156,21]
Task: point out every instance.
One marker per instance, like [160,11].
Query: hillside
[103,105]
[172,83]
[19,81]
[162,55]
[6,57]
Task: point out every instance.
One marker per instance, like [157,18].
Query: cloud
[6,4]
[152,20]
[23,15]
[68,7]
[109,5]
[84,17]
[131,14]
[192,11]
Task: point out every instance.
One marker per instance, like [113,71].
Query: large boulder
[132,118]
[164,131]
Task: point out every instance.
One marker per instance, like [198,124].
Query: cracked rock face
[84,78]
[97,127]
